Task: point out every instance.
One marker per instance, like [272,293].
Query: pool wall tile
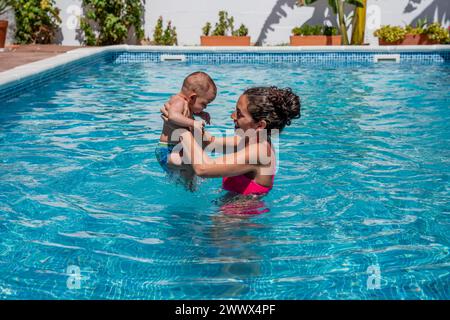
[280,57]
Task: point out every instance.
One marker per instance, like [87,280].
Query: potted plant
[339,8]
[419,35]
[224,33]
[4,6]
[315,36]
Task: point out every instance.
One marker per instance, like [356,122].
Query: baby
[198,91]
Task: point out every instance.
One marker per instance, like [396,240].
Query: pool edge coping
[22,72]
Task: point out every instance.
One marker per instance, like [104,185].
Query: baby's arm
[175,115]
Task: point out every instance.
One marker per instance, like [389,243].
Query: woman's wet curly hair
[276,106]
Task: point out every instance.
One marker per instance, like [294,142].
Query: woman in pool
[250,168]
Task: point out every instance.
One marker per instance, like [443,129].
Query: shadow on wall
[321,13]
[79,33]
[59,37]
[438,8]
[274,17]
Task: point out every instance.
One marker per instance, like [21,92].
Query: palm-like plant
[359,24]
[5,5]
[337,6]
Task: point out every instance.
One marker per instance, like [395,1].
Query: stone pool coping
[37,67]
[16,55]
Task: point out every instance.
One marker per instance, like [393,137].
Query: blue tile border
[280,57]
[213,56]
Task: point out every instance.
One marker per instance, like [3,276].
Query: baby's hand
[165,111]
[205,116]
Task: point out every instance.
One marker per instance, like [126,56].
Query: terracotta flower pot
[3,30]
[315,40]
[224,41]
[410,40]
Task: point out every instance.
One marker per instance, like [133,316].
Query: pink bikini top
[244,185]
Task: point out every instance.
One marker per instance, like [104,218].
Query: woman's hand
[207,138]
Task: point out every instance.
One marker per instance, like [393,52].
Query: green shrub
[36,21]
[415,31]
[241,32]
[437,33]
[206,29]
[330,31]
[168,37]
[297,31]
[159,31]
[314,30]
[114,20]
[419,29]
[225,27]
[434,32]
[391,33]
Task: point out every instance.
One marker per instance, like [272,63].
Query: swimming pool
[363,184]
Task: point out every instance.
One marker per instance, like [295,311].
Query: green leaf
[333,4]
[357,3]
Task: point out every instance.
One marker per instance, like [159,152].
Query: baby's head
[200,90]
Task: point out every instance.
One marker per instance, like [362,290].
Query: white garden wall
[269,21]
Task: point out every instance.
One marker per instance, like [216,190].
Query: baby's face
[201,102]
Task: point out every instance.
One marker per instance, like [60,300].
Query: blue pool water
[363,183]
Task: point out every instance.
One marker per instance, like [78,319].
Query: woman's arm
[221,143]
[229,165]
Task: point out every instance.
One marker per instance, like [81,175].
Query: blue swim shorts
[162,152]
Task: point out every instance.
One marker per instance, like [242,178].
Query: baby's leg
[188,177]
[184,171]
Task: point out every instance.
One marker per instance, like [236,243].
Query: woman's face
[241,117]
